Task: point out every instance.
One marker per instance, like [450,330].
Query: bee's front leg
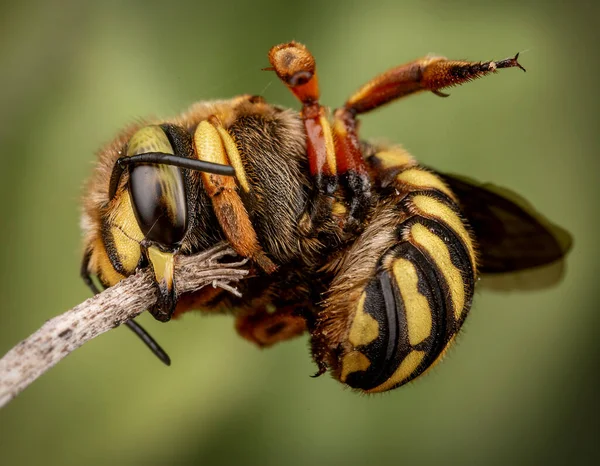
[212,143]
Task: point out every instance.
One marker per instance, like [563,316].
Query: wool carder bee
[373,254]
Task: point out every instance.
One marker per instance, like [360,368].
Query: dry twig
[59,336]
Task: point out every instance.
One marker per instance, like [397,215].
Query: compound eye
[157,191]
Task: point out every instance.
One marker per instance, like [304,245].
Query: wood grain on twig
[59,336]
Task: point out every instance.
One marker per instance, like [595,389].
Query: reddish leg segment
[425,74]
[266,328]
[212,142]
[342,160]
[352,168]
[432,73]
[295,66]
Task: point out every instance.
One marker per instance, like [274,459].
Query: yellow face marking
[128,250]
[122,216]
[234,156]
[404,371]
[329,146]
[163,266]
[103,267]
[149,139]
[365,328]
[417,178]
[438,210]
[354,361]
[439,252]
[125,232]
[416,306]
[394,158]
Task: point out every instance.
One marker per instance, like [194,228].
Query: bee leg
[424,74]
[198,300]
[264,326]
[212,143]
[131,324]
[84,272]
[433,74]
[334,156]
[351,165]
[295,66]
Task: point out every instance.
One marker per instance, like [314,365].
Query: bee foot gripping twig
[225,251]
[220,284]
[116,305]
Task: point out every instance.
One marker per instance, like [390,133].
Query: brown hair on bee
[373,254]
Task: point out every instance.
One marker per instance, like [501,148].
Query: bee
[352,241]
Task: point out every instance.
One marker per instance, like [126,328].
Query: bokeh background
[521,386]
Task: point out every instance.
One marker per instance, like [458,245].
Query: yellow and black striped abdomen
[417,300]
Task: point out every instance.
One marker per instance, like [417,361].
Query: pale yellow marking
[329,145]
[234,157]
[394,158]
[149,139]
[416,306]
[270,308]
[404,371]
[354,361]
[123,217]
[438,210]
[104,267]
[125,232]
[128,250]
[365,328]
[417,178]
[339,209]
[163,266]
[440,254]
[209,145]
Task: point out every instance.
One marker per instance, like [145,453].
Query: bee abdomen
[418,298]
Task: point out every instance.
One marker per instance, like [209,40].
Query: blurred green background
[520,387]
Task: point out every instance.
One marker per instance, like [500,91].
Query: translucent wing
[512,236]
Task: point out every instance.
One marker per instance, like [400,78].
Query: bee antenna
[149,341]
[163,159]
